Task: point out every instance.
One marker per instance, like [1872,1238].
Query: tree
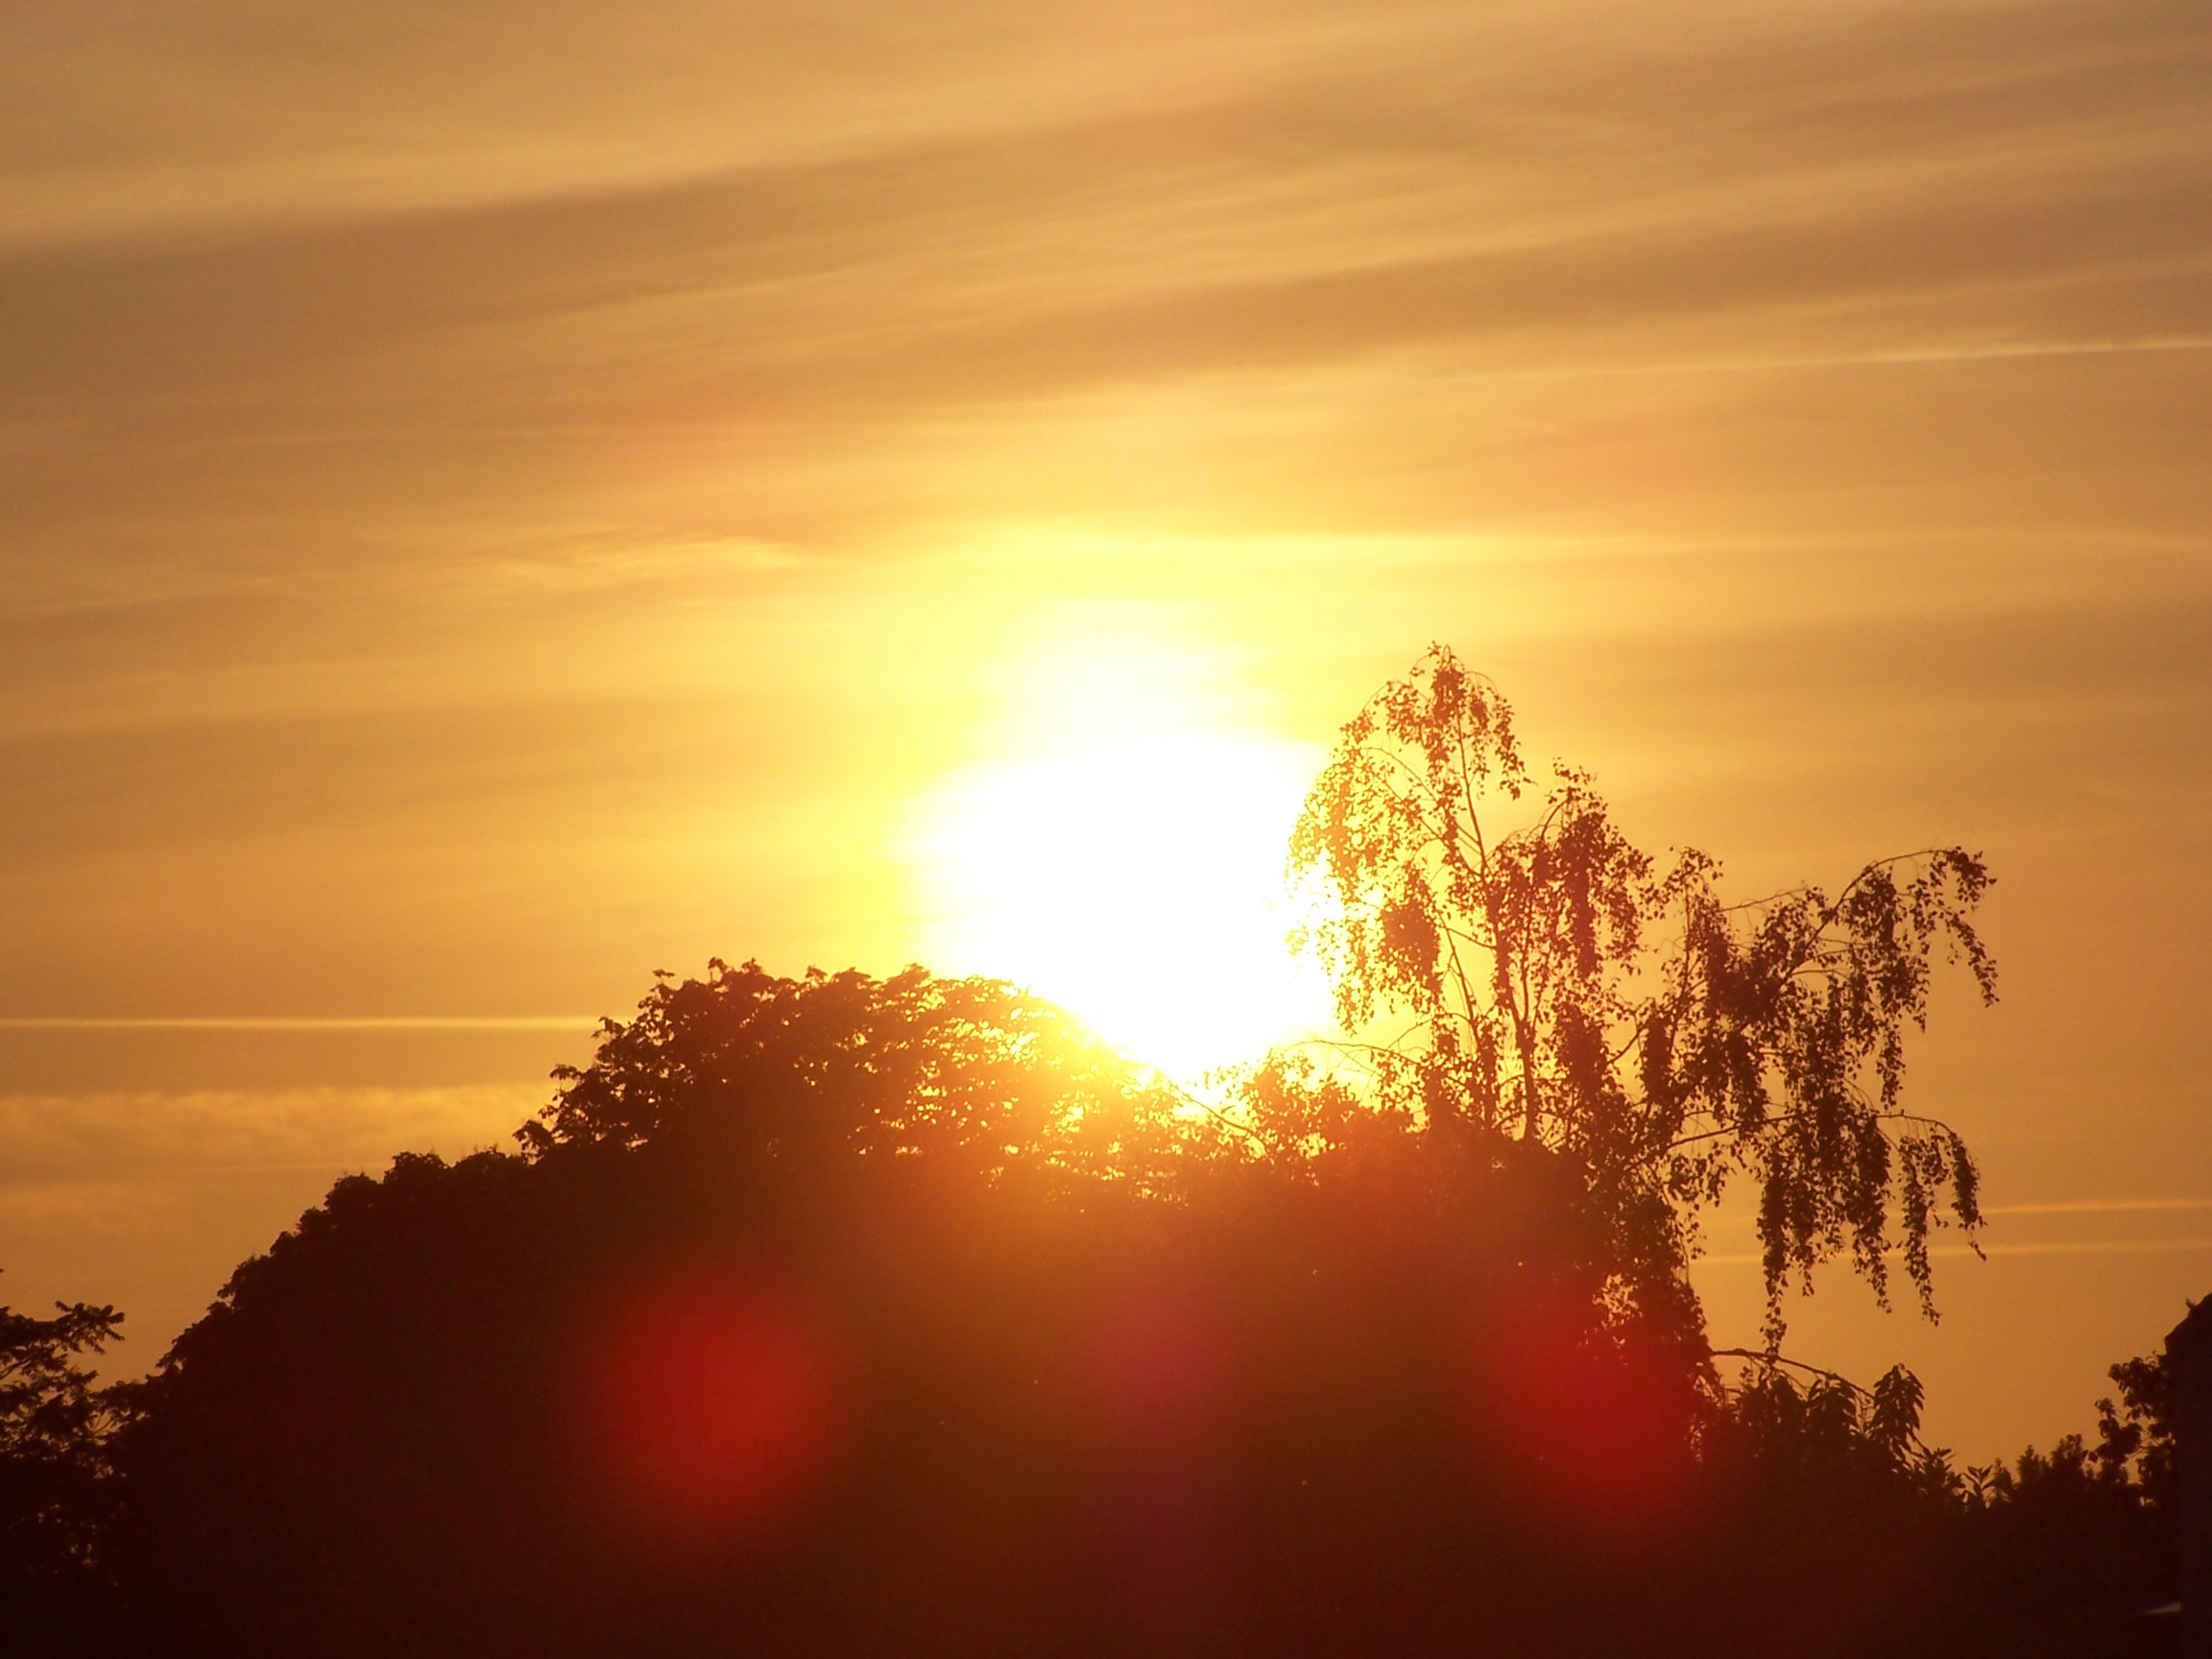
[830,1068]
[53,1474]
[1080,1379]
[1090,1375]
[1041,1355]
[1571,998]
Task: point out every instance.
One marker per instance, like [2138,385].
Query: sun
[1118,848]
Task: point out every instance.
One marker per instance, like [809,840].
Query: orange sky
[501,499]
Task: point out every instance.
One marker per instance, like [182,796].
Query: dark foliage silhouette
[966,1072]
[1568,993]
[756,1376]
[851,1315]
[56,1485]
[735,1383]
[1006,1395]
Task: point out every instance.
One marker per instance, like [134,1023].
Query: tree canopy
[55,1479]
[1527,991]
[1557,987]
[840,1313]
[814,1072]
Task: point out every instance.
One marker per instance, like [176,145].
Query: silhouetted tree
[830,1068]
[739,1360]
[1571,995]
[2136,1438]
[2065,1551]
[839,1314]
[844,1314]
[54,1480]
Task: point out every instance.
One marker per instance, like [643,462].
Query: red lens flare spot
[1600,1431]
[707,1402]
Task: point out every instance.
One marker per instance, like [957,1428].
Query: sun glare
[1118,849]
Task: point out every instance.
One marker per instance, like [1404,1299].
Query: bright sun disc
[1125,860]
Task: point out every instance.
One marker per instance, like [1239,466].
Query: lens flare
[1598,1433]
[707,1402]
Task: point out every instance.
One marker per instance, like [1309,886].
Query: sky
[498,500]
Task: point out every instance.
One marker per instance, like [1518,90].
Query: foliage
[53,1475]
[810,1070]
[1829,1421]
[1349,1363]
[47,1405]
[1566,990]
[2130,1470]
[1332,1384]
[2136,1438]
[2064,1551]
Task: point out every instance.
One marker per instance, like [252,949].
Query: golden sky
[499,499]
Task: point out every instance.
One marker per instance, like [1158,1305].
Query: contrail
[2097,1206]
[2071,1247]
[1892,357]
[309,1023]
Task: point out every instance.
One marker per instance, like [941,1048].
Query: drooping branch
[1769,1043]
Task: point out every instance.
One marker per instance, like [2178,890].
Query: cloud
[61,1140]
[1439,186]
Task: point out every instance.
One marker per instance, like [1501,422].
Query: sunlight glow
[1118,849]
